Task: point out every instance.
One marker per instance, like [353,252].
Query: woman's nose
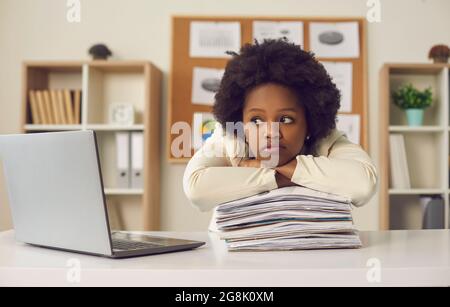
[272,130]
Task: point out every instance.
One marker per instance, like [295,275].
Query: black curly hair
[284,63]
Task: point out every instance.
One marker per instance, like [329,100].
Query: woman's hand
[287,170]
[283,173]
[283,181]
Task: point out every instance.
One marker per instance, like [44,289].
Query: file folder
[123,159]
[137,160]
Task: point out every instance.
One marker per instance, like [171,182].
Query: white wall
[140,29]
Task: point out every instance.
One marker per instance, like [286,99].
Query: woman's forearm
[209,187]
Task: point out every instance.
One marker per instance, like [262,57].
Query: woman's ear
[308,134]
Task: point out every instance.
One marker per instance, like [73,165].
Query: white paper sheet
[274,29]
[203,127]
[205,82]
[350,124]
[311,219]
[335,40]
[342,75]
[212,39]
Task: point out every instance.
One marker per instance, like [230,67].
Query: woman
[287,105]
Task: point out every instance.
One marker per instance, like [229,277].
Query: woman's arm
[347,171]
[282,175]
[210,178]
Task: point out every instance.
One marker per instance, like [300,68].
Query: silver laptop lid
[56,191]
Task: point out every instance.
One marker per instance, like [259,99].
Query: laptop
[57,198]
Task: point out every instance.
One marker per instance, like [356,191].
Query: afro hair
[281,62]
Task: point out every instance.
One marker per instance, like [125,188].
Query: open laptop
[57,198]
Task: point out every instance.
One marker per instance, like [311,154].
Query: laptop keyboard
[119,244]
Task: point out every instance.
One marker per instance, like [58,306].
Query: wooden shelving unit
[427,147]
[102,83]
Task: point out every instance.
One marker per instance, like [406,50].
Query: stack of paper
[287,219]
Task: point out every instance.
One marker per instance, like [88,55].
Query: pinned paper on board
[350,125]
[213,39]
[203,127]
[335,40]
[205,84]
[292,30]
[342,76]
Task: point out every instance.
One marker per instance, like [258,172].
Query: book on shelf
[41,108]
[62,109]
[34,109]
[77,107]
[69,106]
[49,108]
[398,162]
[55,107]
[290,218]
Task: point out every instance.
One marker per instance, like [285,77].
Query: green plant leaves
[408,97]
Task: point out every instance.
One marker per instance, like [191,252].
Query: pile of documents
[288,218]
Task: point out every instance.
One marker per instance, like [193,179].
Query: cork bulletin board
[181,107]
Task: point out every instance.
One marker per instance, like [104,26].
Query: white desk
[406,258]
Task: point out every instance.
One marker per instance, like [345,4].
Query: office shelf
[99,127]
[124,191]
[416,191]
[416,129]
[31,127]
[103,83]
[427,146]
[105,127]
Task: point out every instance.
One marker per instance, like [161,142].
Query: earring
[308,137]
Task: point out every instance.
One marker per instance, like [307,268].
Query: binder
[123,159]
[137,160]
[433,211]
[399,172]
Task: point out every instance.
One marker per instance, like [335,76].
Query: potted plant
[414,101]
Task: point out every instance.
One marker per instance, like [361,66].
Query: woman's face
[275,123]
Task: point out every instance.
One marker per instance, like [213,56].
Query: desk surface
[404,258]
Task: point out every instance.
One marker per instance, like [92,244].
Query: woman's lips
[272,149]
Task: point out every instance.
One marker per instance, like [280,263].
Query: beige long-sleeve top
[340,167]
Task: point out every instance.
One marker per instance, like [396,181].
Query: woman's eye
[286,120]
[256,120]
